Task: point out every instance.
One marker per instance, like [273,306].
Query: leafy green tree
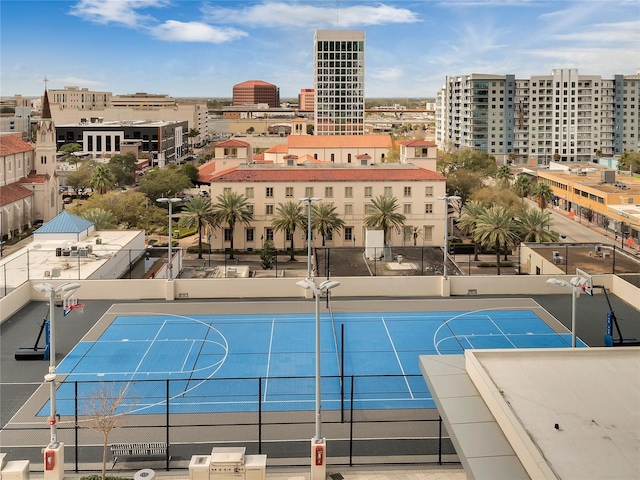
[82,176]
[383,214]
[324,219]
[231,208]
[466,170]
[132,209]
[267,255]
[468,219]
[629,161]
[289,216]
[102,219]
[543,193]
[533,226]
[496,227]
[166,182]
[500,195]
[193,132]
[69,149]
[198,213]
[522,186]
[102,179]
[123,167]
[190,171]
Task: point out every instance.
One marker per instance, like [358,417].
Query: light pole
[309,200]
[57,468]
[209,244]
[575,284]
[318,444]
[170,201]
[446,199]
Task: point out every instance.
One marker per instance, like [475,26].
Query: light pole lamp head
[328,285]
[44,287]
[309,199]
[556,282]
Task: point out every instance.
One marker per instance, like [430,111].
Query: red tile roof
[418,143]
[314,174]
[34,177]
[12,193]
[339,141]
[206,171]
[232,143]
[11,144]
[278,149]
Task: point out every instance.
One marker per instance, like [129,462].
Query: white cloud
[174,31]
[122,12]
[387,74]
[619,33]
[279,14]
[76,81]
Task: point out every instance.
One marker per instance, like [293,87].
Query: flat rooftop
[561,413]
[81,259]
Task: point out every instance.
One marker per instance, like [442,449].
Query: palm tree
[531,225]
[102,179]
[504,174]
[289,216]
[415,232]
[522,186]
[496,227]
[542,193]
[198,213]
[383,215]
[102,219]
[324,219]
[468,219]
[231,207]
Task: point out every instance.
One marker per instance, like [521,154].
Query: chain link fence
[367,420]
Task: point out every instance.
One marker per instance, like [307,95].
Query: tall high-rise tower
[339,82]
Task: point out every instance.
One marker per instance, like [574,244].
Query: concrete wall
[211,288]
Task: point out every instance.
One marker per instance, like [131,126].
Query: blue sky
[202,48]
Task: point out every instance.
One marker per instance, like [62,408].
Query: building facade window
[348,192]
[248,192]
[348,233]
[368,191]
[407,191]
[428,208]
[268,209]
[249,234]
[268,234]
[407,209]
[328,192]
[308,192]
[288,192]
[269,192]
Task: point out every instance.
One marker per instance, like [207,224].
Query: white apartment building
[339,82]
[571,117]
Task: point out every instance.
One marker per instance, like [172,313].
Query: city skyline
[201,49]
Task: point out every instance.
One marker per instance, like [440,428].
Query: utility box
[255,467]
[199,467]
[16,470]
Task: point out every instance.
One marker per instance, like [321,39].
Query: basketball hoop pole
[51,376]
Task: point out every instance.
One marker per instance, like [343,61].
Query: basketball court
[192,343]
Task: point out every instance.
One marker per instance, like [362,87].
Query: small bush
[489,264]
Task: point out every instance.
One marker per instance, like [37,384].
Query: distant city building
[306,100]
[563,116]
[163,142]
[339,82]
[77,105]
[78,98]
[254,92]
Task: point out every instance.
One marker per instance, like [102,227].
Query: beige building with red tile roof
[351,188]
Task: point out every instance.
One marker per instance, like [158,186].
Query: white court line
[186,357]
[500,330]
[266,379]
[397,357]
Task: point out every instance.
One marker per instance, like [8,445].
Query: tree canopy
[166,182]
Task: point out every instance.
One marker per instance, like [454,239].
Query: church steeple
[46,108]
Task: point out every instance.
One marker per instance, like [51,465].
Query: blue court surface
[191,350]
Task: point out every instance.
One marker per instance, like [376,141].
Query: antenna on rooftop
[45,80]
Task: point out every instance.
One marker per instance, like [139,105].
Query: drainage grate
[336,476]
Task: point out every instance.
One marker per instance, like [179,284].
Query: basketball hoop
[78,307]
